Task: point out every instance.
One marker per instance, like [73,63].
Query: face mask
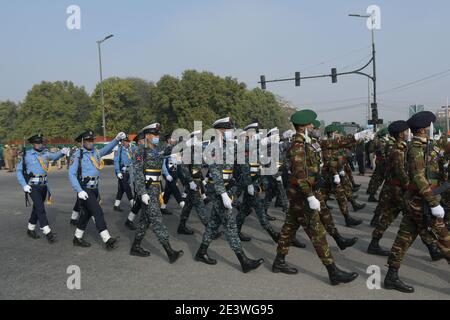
[155,141]
[39,147]
[89,146]
[228,135]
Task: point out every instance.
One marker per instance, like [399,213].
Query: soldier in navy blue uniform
[32,173]
[84,176]
[122,164]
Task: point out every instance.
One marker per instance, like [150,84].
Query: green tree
[8,119]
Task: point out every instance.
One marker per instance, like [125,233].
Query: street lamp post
[101,83]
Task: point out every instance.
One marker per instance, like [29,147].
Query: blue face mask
[39,147]
[155,141]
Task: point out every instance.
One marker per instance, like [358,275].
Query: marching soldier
[122,163]
[377,178]
[84,175]
[147,173]
[221,180]
[304,206]
[31,172]
[420,195]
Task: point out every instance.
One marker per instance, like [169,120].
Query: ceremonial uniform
[170,174]
[31,173]
[377,178]
[122,163]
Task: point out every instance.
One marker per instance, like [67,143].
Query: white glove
[83,195]
[251,190]
[27,189]
[205,183]
[65,151]
[314,204]
[280,179]
[337,180]
[120,176]
[121,136]
[193,186]
[438,212]
[169,178]
[227,203]
[146,199]
[342,173]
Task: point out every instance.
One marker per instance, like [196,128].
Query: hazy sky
[238,38]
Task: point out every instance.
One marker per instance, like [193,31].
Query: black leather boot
[351,222]
[375,249]
[357,206]
[111,244]
[33,234]
[51,238]
[130,225]
[202,256]
[338,276]
[274,235]
[392,282]
[118,209]
[172,254]
[435,253]
[280,265]
[137,250]
[80,243]
[372,198]
[182,229]
[270,218]
[248,264]
[344,243]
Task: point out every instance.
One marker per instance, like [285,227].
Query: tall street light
[101,82]
[374,65]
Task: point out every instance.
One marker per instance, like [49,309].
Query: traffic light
[297,79]
[263,82]
[374,107]
[334,75]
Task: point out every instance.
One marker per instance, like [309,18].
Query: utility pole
[101,84]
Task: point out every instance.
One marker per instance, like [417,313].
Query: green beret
[304,117]
[383,132]
[332,128]
[317,124]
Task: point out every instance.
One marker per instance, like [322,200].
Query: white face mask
[228,135]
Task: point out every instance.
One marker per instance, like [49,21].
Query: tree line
[63,110]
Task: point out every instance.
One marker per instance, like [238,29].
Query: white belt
[226,176]
[254,169]
[38,180]
[153,178]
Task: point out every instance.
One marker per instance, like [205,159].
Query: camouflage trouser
[325,215]
[252,202]
[349,173]
[394,203]
[412,225]
[151,217]
[222,216]
[274,188]
[348,187]
[300,214]
[340,194]
[377,179]
[381,206]
[193,200]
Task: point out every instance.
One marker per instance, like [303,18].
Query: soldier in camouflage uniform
[147,171]
[377,178]
[332,171]
[304,206]
[192,177]
[419,196]
[221,177]
[445,146]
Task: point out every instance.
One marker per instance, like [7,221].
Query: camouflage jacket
[146,159]
[332,163]
[380,149]
[419,184]
[396,172]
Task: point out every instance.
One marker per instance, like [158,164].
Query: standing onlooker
[360,148]
[8,158]
[2,162]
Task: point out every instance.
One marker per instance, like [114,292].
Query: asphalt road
[32,269]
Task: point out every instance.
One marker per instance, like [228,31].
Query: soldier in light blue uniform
[31,173]
[122,164]
[84,175]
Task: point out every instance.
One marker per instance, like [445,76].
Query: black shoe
[297,243]
[172,254]
[202,256]
[392,282]
[51,238]
[356,186]
[138,251]
[372,199]
[270,218]
[111,244]
[182,229]
[244,238]
[375,249]
[74,222]
[248,264]
[435,253]
[344,243]
[358,206]
[338,276]
[33,234]
[130,225]
[280,265]
[217,235]
[166,212]
[80,243]
[351,222]
[118,209]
